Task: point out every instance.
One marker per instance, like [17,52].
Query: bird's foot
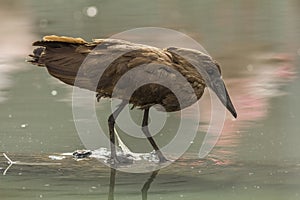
[113,161]
[161,157]
[163,160]
[120,160]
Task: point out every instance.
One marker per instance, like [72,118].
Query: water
[257,156]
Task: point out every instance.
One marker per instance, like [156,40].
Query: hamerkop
[100,64]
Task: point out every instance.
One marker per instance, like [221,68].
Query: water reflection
[257,44]
[252,94]
[187,177]
[265,82]
[112,183]
[62,163]
[13,47]
[144,189]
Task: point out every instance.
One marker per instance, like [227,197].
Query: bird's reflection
[147,184]
[112,182]
[144,189]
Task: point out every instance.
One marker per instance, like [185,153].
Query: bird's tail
[63,56]
[47,41]
[35,56]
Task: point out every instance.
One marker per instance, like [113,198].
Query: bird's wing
[111,59]
[76,62]
[161,78]
[96,66]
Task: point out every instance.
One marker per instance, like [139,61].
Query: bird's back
[140,74]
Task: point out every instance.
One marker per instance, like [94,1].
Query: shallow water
[257,156]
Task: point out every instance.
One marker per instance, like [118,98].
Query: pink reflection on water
[251,95]
[15,40]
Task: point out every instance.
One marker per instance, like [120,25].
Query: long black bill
[219,88]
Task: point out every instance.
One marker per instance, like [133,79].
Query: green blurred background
[258,46]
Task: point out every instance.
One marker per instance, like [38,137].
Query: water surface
[257,156]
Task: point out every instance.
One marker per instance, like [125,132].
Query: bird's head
[210,72]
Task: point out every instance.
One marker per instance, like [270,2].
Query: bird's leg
[111,124]
[145,130]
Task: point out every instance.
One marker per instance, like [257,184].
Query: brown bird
[141,75]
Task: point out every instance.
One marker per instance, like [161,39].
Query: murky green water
[257,156]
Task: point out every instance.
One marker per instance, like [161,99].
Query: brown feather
[80,63]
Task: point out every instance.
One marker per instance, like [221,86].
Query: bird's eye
[210,71]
